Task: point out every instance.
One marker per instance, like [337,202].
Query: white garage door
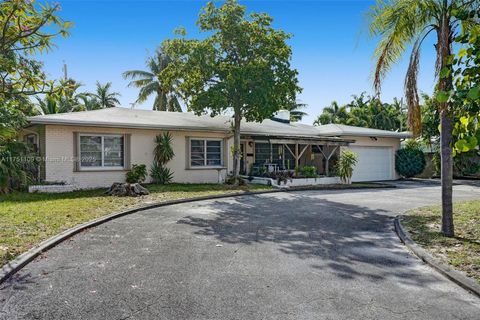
[374,163]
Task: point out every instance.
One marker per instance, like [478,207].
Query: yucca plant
[345,165]
[161,174]
[162,153]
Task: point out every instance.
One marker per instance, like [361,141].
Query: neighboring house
[96,148]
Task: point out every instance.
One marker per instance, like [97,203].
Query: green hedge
[409,162]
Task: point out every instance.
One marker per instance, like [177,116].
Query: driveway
[299,255]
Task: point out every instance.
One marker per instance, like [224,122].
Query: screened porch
[261,155]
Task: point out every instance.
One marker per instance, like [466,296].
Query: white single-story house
[96,148]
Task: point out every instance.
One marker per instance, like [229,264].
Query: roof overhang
[123,125]
[334,141]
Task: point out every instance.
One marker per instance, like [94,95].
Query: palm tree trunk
[446,123]
[445,84]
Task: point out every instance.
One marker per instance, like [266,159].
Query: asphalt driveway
[300,255]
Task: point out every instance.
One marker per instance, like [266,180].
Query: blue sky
[331,48]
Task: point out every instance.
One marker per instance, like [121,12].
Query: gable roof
[186,121]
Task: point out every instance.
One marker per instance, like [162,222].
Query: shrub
[466,163]
[18,166]
[412,144]
[346,164]
[137,174]
[163,151]
[306,171]
[436,163]
[230,180]
[409,162]
[161,174]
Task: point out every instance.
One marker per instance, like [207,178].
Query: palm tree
[150,84]
[332,114]
[88,102]
[295,113]
[399,109]
[401,23]
[66,96]
[104,97]
[53,104]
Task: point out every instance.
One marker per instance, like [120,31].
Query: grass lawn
[463,251]
[29,218]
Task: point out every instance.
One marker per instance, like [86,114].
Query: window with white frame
[101,151]
[206,152]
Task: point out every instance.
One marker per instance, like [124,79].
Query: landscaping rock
[127,190]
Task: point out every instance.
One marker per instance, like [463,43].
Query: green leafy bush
[412,144]
[409,162]
[161,174]
[346,164]
[306,171]
[137,174]
[18,166]
[467,163]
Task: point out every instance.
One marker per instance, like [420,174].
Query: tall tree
[150,84]
[296,114]
[365,111]
[430,122]
[61,98]
[467,86]
[332,114]
[88,102]
[104,97]
[242,65]
[400,23]
[26,29]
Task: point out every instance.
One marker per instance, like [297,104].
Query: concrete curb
[452,274]
[9,269]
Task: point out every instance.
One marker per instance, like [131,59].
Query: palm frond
[397,23]
[135,74]
[411,90]
[147,91]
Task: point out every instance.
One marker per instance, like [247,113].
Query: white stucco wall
[59,154]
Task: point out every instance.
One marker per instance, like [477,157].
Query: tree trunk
[445,84]
[236,147]
[446,123]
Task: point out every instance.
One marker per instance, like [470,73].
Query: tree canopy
[466,95]
[27,29]
[242,65]
[366,111]
[150,84]
[401,23]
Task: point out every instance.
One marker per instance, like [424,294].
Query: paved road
[301,255]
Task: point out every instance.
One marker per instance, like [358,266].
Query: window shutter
[76,153]
[127,151]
